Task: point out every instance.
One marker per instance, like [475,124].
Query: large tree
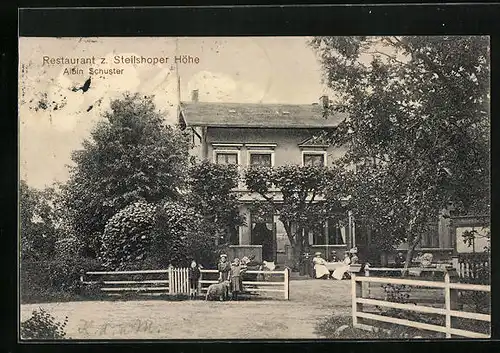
[418,121]
[131,155]
[211,194]
[303,197]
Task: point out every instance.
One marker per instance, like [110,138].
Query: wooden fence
[473,266]
[360,290]
[267,281]
[175,281]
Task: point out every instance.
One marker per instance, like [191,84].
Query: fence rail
[175,281]
[360,288]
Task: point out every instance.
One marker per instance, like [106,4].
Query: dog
[218,291]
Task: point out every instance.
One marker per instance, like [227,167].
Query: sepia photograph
[278,188]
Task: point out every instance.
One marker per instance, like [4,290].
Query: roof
[258,115]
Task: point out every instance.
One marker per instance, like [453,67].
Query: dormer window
[314,158]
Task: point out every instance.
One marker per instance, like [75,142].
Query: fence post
[447,301]
[455,264]
[170,280]
[287,284]
[199,282]
[356,291]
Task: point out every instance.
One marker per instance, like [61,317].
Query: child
[194,277]
[235,277]
[223,267]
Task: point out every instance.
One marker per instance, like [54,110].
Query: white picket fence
[175,281]
[360,292]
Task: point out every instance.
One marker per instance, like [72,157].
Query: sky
[54,119]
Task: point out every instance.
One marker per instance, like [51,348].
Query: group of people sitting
[321,271]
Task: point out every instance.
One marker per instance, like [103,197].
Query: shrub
[181,233]
[42,325]
[340,327]
[127,236]
[54,279]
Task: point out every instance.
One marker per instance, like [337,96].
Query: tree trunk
[409,255]
[297,247]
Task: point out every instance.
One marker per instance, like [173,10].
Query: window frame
[226,151]
[312,152]
[257,151]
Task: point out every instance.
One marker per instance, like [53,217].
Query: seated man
[399,260]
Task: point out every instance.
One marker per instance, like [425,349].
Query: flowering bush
[42,325]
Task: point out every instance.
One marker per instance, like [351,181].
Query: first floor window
[226,158]
[261,159]
[314,159]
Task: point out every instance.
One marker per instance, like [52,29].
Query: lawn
[310,301]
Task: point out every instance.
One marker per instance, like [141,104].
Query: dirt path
[156,319]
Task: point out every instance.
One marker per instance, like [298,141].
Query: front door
[263,233]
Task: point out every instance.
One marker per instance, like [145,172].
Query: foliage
[340,327]
[145,235]
[131,155]
[180,234]
[398,293]
[42,325]
[211,195]
[418,118]
[38,231]
[127,236]
[54,278]
[308,197]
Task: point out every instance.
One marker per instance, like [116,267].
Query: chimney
[325,101]
[194,96]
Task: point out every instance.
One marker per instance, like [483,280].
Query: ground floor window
[336,233]
[332,233]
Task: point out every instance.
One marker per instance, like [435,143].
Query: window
[316,159]
[319,237]
[336,234]
[226,157]
[260,159]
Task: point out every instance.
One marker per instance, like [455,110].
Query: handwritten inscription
[90,328]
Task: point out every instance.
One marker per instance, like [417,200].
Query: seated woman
[320,268]
[341,271]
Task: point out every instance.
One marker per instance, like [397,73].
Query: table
[332,266]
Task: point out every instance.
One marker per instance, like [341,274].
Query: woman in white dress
[341,270]
[320,268]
